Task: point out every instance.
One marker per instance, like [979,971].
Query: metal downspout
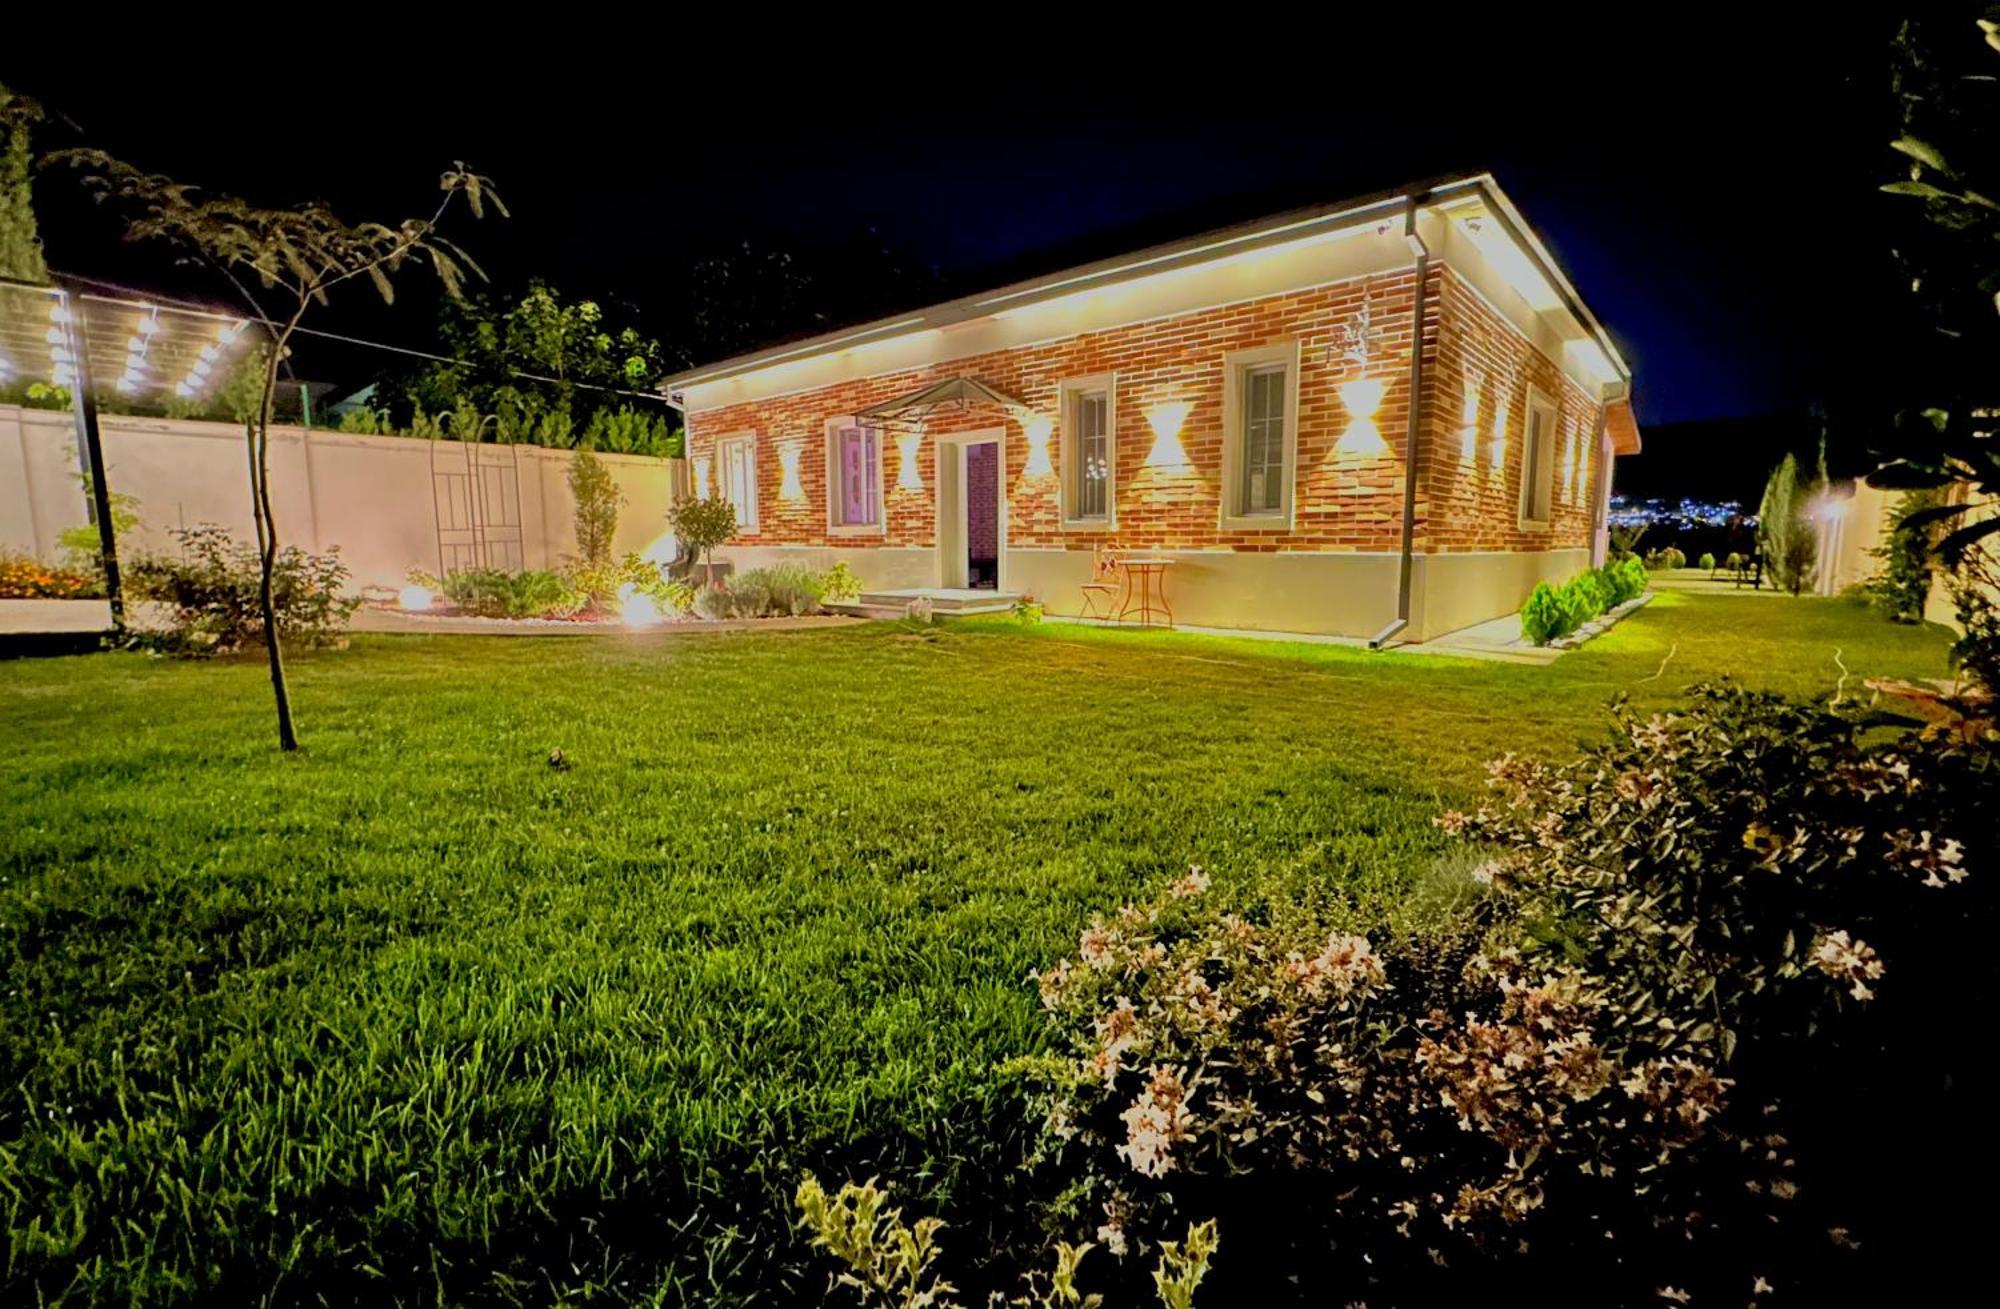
[1411,442]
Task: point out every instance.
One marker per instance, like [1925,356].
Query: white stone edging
[1602,623]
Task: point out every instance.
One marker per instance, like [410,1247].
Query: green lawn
[413,1014]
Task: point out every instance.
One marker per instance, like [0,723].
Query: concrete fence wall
[1860,525]
[379,498]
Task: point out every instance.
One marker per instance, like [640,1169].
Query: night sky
[1706,174]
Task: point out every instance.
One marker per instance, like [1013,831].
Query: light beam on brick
[907,478]
[1166,420]
[1039,463]
[1363,399]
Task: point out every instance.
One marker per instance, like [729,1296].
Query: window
[1538,462]
[736,477]
[1263,490]
[1089,453]
[1260,401]
[853,478]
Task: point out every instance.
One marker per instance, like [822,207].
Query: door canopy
[955,395]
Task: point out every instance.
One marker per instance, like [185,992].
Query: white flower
[1848,960]
[1155,1122]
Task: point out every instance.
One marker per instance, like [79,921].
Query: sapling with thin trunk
[296,257]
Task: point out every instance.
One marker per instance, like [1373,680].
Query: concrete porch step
[944,600]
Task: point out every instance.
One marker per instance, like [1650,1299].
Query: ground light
[636,608]
[415,598]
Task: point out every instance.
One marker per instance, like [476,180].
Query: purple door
[982,516]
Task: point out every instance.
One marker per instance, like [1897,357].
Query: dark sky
[1705,172]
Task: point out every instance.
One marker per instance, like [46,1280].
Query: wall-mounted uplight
[1166,421]
[1497,448]
[1039,464]
[1575,451]
[907,478]
[789,486]
[1363,398]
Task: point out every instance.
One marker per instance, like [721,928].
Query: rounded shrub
[1545,616]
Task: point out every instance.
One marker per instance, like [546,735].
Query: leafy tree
[753,293]
[547,369]
[297,257]
[1784,530]
[20,242]
[1948,94]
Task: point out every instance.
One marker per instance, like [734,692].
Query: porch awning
[1622,426]
[954,395]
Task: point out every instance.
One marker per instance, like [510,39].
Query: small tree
[1784,532]
[702,524]
[597,499]
[299,255]
[20,242]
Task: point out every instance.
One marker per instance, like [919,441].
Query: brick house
[1243,403]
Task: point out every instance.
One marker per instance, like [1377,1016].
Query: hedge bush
[1552,612]
[780,591]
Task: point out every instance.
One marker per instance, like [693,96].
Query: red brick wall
[1473,503]
[1342,501]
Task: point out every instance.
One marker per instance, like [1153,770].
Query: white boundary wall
[370,495]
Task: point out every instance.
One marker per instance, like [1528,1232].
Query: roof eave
[1106,272]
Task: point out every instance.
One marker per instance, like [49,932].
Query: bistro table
[1145,588]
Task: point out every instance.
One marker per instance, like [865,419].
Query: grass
[416,1016]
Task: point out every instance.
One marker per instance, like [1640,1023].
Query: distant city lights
[1679,515]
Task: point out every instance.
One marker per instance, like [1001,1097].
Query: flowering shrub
[1615,1059]
[25,578]
[211,593]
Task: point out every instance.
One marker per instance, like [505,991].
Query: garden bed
[441,622]
[1602,623]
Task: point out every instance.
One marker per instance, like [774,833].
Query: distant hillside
[1730,458]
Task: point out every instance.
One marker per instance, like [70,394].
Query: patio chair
[1101,588]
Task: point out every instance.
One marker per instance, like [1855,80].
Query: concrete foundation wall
[1336,593]
[1453,590]
[373,496]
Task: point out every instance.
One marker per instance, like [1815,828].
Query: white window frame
[746,516]
[1067,461]
[834,526]
[1539,402]
[1237,366]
